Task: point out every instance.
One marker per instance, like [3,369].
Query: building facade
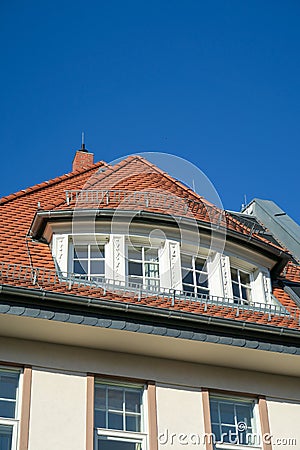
[136,315]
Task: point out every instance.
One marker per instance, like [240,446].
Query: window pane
[7,409]
[186,261]
[227,413]
[115,421]
[133,401]
[133,423]
[151,270]
[8,384]
[135,268]
[188,288]
[188,277]
[105,444]
[201,280]
[244,414]
[199,264]
[135,253]
[214,411]
[245,278]
[97,267]
[235,290]
[97,251]
[81,267]
[234,274]
[229,434]
[99,419]
[246,293]
[81,251]
[215,429]
[115,399]
[6,437]
[100,397]
[151,254]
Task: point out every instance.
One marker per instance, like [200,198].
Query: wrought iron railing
[142,199]
[181,206]
[48,279]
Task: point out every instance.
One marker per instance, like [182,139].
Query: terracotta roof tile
[134,173]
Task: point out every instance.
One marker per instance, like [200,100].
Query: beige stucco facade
[59,389]
[58,410]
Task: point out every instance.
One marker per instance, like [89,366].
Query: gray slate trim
[96,319]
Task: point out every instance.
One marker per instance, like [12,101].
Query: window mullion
[106,403]
[220,420]
[194,275]
[89,261]
[124,415]
[240,287]
[143,265]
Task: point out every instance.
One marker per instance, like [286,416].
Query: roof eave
[42,217]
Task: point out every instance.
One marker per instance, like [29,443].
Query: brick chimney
[83,158]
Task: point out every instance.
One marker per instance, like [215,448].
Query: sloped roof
[135,174]
[17,212]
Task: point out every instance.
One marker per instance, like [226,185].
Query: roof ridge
[177,182]
[131,158]
[50,182]
[115,168]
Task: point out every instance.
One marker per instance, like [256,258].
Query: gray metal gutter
[115,306]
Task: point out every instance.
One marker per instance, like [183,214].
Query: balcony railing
[50,280]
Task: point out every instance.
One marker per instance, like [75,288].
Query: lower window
[119,417]
[233,422]
[9,410]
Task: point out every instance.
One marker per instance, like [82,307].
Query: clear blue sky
[216,82]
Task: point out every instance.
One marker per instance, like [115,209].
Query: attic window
[194,275]
[143,266]
[89,261]
[241,286]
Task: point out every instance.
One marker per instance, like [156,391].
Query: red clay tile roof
[133,173]
[222,311]
[292,272]
[136,174]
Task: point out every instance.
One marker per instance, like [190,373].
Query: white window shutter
[115,258]
[170,266]
[261,286]
[60,244]
[215,278]
[226,277]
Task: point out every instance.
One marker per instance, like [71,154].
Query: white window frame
[143,261]
[14,422]
[240,299]
[256,430]
[195,272]
[88,275]
[137,437]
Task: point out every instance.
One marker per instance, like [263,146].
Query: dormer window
[241,286]
[143,266]
[194,275]
[89,261]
